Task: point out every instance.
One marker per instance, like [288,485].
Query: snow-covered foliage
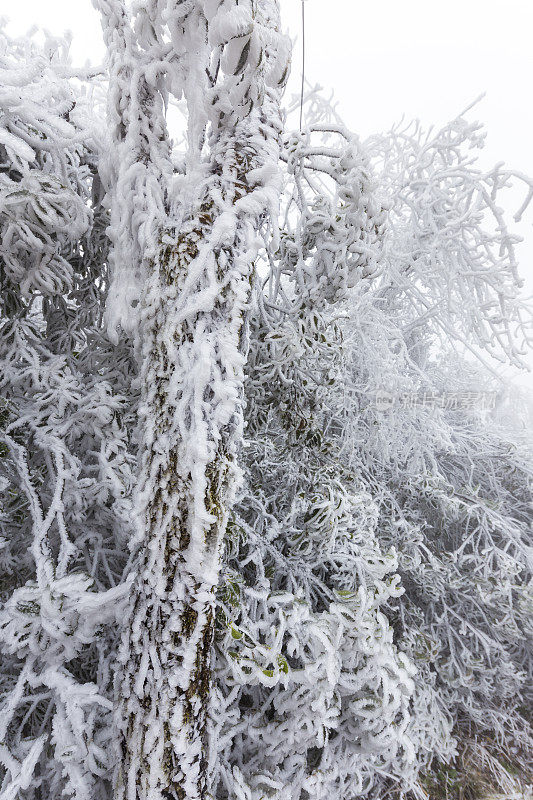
[374,486]
[65,464]
[261,534]
[452,257]
[314,692]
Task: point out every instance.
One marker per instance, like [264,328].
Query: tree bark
[193,310]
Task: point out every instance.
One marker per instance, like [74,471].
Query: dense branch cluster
[259,537]
[66,464]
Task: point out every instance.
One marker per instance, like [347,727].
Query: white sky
[384,58]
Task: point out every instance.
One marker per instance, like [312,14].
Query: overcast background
[419,58]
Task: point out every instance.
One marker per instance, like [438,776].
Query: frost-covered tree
[260,538]
[366,455]
[314,691]
[185,246]
[458,484]
[400,341]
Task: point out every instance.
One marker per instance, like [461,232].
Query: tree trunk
[191,369]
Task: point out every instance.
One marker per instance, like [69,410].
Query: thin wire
[303,66]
